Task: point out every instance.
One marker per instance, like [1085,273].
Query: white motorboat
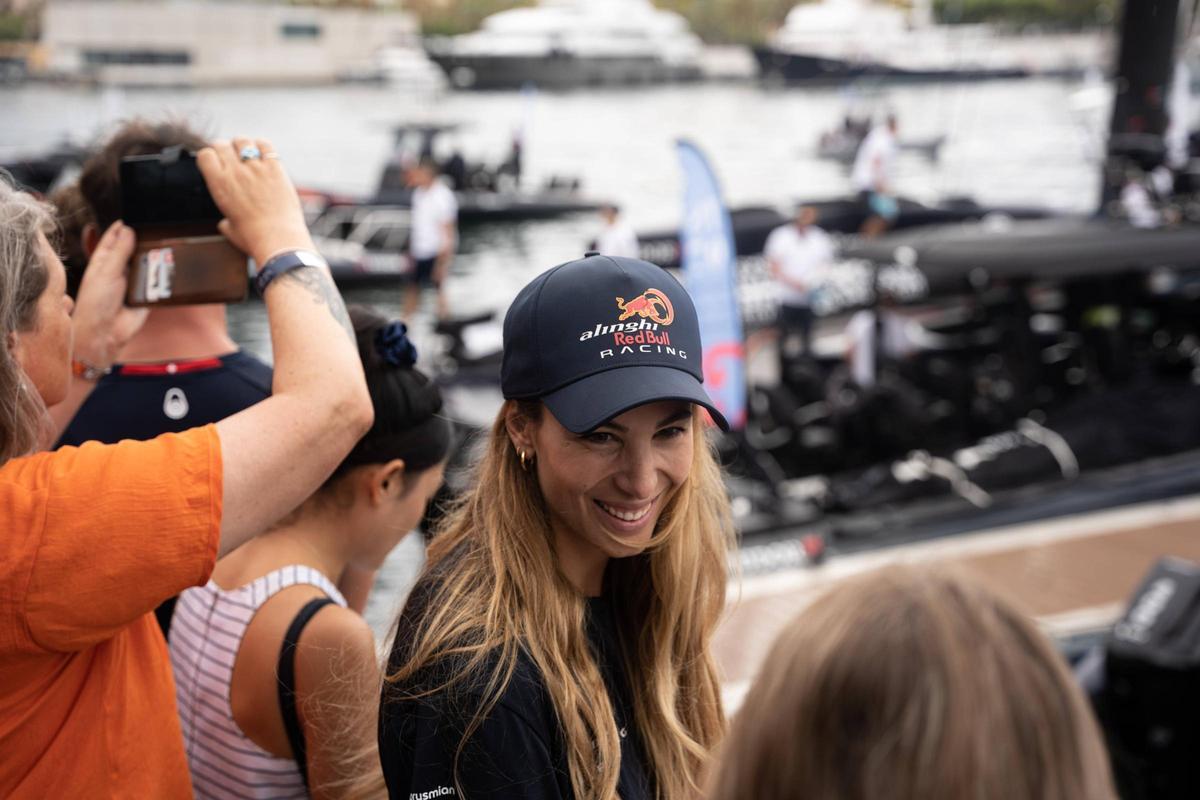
[835,41]
[570,43]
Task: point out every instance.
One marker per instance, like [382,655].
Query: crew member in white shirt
[617,238]
[884,329]
[434,236]
[799,254]
[872,177]
[1137,203]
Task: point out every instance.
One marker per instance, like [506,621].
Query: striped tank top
[206,633]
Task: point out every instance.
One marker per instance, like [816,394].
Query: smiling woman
[605,489]
[557,644]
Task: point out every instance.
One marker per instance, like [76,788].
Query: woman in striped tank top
[276,699]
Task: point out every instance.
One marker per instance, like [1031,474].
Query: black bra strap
[287,682]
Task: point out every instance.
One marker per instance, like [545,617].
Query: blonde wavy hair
[496,590]
[912,683]
[23,276]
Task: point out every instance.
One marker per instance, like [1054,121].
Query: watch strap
[285,262]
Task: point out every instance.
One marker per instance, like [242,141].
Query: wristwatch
[285,262]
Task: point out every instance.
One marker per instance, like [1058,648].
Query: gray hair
[23,278]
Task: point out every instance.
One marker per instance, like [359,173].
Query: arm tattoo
[320,286]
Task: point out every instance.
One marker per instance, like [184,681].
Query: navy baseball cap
[596,337]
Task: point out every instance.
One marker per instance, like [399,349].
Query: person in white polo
[872,177]
[434,236]
[798,254]
[617,238]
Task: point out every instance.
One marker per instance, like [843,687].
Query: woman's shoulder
[341,629]
[339,649]
[299,602]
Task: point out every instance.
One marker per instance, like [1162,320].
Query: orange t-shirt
[91,540]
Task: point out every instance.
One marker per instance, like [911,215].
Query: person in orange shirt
[96,536]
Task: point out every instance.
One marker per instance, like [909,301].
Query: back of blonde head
[496,588]
[912,684]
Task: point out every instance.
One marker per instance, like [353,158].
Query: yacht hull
[563,71]
[800,68]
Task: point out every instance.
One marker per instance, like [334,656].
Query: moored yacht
[569,43]
[833,41]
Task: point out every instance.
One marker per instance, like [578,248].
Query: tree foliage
[731,21]
[1052,13]
[12,27]
[20,21]
[450,17]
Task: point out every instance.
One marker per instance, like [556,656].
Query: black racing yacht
[364,240]
[752,224]
[485,192]
[1061,352]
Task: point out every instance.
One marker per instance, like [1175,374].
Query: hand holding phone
[101,323]
[261,208]
[181,256]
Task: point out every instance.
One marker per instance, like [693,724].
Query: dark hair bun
[406,401]
[394,346]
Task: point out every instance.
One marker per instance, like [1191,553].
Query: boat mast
[1145,66]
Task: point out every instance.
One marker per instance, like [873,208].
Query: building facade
[208,42]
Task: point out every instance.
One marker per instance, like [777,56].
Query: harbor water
[1007,142]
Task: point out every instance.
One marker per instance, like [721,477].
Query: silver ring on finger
[250,153]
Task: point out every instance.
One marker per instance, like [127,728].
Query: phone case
[186,270]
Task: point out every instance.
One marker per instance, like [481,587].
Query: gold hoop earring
[526,461]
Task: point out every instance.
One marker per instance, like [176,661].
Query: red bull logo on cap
[650,304]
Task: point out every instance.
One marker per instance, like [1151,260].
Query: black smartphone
[181,258]
[166,189]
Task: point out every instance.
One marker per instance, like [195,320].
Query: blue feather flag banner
[709,269]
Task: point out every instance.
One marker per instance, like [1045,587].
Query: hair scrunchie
[394,346]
